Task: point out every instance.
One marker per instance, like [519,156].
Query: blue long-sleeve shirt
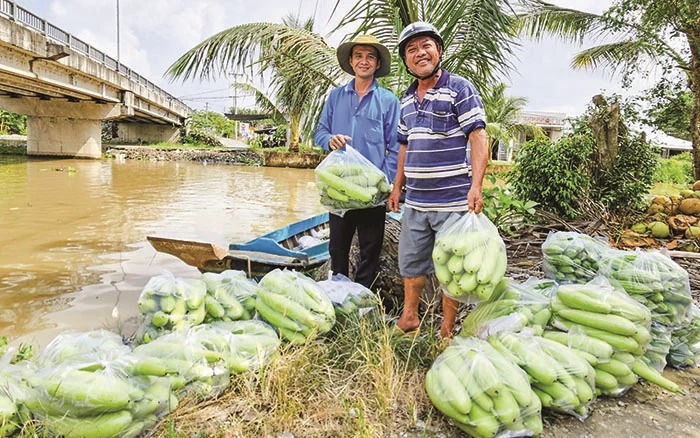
[371,123]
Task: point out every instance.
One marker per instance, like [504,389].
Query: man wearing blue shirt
[365,116]
[442,161]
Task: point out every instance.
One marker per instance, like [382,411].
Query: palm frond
[480,44]
[615,56]
[538,18]
[248,46]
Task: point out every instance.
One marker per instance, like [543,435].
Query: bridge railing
[21,15]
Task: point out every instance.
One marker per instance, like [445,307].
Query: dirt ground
[645,411]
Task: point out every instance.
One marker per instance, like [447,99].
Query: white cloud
[154,33]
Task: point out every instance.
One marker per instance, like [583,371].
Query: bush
[11,123]
[505,210]
[204,126]
[624,185]
[553,175]
[566,177]
[675,170]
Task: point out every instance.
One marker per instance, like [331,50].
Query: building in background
[553,125]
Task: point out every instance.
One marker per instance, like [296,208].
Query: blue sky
[154,33]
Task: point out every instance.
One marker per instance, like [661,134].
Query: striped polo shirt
[436,130]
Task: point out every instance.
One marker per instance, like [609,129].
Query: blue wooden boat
[301,246]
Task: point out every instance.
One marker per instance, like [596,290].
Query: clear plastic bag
[619,329]
[563,380]
[613,368]
[685,342]
[469,257]
[294,304]
[346,180]
[511,308]
[348,298]
[482,391]
[654,280]
[230,296]
[192,356]
[571,257]
[168,303]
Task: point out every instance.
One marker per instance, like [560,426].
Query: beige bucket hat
[345,50]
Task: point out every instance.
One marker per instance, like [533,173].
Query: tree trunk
[694,85]
[605,123]
[294,126]
[389,283]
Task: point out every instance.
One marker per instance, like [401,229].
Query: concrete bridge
[67,88]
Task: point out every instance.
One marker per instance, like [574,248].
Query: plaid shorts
[418,229]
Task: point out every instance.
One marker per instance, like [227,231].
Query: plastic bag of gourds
[349,299]
[571,257]
[512,307]
[482,391]
[294,304]
[346,181]
[168,303]
[469,257]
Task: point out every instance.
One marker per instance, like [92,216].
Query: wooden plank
[195,254]
[684,254]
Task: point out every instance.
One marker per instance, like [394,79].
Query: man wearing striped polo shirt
[442,160]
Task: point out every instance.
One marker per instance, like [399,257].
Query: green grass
[667,189]
[360,380]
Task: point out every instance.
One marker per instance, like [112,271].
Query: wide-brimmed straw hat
[345,50]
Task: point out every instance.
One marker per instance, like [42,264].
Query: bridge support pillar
[147,133]
[58,136]
[63,129]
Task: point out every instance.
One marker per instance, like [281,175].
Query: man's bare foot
[446,331]
[408,323]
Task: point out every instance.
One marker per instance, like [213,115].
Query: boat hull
[278,249]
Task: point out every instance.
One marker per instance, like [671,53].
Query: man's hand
[475,199]
[338,141]
[394,199]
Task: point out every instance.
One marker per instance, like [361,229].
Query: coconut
[660,230]
[696,185]
[690,206]
[655,208]
[665,202]
[692,233]
[639,227]
[687,193]
[656,217]
[681,222]
[661,200]
[675,203]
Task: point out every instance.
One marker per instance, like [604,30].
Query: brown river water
[73,249]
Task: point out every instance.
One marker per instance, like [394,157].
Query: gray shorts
[418,229]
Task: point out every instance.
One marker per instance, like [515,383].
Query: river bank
[17,145]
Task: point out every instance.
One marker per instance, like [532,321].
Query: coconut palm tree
[297,64]
[479,35]
[639,34]
[503,117]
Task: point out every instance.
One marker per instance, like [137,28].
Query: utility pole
[235,96]
[118,57]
